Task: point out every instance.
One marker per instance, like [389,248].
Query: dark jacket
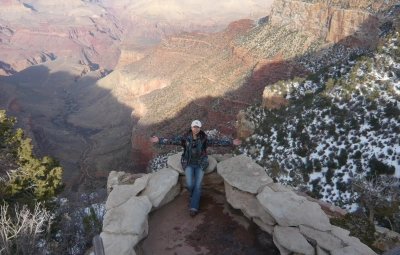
[203,142]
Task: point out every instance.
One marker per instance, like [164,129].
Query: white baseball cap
[196,123]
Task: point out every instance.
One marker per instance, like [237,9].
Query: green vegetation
[29,179]
[28,185]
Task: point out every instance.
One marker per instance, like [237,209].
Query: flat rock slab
[217,229]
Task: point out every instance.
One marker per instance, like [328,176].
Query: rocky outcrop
[297,225]
[272,100]
[347,22]
[241,172]
[245,127]
[231,69]
[129,56]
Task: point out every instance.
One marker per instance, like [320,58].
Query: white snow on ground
[361,128]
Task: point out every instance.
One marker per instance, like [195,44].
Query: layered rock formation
[348,22]
[213,76]
[200,85]
[92,31]
[296,224]
[190,75]
[48,34]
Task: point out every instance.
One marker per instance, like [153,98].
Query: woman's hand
[237,142]
[154,139]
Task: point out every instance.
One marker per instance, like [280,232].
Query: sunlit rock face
[352,23]
[160,82]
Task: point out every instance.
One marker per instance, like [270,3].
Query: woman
[194,158]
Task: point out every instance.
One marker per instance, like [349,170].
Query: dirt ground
[216,229]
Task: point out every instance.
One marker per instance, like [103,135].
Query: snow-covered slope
[341,123]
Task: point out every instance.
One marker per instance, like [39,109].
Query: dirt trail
[217,229]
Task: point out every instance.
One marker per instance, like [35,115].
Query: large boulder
[125,225]
[119,244]
[128,218]
[122,193]
[172,193]
[174,162]
[291,210]
[242,173]
[248,204]
[291,239]
[159,184]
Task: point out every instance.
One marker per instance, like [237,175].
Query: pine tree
[29,179]
[9,141]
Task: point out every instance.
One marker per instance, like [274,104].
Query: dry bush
[23,231]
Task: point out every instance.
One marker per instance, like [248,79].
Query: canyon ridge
[90,81]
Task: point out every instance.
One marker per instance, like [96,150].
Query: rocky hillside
[209,76]
[212,76]
[333,127]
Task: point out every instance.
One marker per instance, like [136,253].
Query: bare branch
[21,233]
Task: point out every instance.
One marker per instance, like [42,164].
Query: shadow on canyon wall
[45,103]
[223,116]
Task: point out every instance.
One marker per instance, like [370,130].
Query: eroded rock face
[347,22]
[272,100]
[324,239]
[245,127]
[128,218]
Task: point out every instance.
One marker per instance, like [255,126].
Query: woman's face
[195,130]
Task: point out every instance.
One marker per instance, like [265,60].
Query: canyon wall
[211,77]
[352,26]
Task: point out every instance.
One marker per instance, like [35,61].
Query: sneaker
[192,213]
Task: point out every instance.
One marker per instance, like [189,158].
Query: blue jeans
[194,177]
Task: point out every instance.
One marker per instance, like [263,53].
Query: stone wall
[296,224]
